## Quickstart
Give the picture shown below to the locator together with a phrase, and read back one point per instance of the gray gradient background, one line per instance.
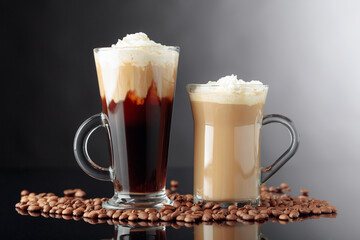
(308, 51)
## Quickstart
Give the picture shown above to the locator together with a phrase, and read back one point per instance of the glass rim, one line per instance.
(106, 49)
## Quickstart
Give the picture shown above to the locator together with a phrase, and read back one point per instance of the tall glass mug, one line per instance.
(227, 127)
(137, 86)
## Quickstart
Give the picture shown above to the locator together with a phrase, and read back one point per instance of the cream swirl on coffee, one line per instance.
(230, 90)
(139, 39)
(134, 64)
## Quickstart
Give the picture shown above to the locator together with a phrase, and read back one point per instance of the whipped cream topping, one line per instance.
(133, 64)
(229, 90)
(139, 39)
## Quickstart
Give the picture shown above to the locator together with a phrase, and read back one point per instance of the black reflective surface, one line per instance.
(17, 226)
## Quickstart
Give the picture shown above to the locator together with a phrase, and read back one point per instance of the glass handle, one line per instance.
(80, 147)
(267, 172)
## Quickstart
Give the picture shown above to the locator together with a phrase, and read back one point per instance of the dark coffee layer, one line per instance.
(140, 129)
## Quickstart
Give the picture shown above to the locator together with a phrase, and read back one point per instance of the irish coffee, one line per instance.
(137, 85)
(227, 123)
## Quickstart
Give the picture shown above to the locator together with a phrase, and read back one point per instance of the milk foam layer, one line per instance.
(229, 90)
(134, 64)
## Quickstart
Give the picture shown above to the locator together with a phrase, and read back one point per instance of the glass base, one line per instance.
(225, 204)
(137, 201)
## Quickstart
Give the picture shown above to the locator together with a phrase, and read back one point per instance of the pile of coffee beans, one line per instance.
(275, 205)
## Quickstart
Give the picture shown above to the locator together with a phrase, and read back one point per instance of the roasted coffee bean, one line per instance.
(189, 197)
(124, 216)
(117, 214)
(272, 189)
(325, 210)
(287, 211)
(216, 206)
(149, 210)
(206, 217)
(209, 205)
(316, 211)
(305, 210)
(264, 188)
(80, 194)
(231, 217)
(153, 218)
(174, 183)
(195, 208)
(102, 216)
(175, 214)
(67, 211)
(184, 208)
(97, 207)
(46, 209)
(78, 211)
(218, 217)
(332, 208)
(34, 208)
(24, 206)
(97, 201)
(24, 192)
(304, 192)
(284, 217)
(276, 213)
(259, 217)
(294, 214)
(177, 204)
(232, 207)
(93, 214)
(253, 212)
(247, 217)
(166, 218)
(168, 211)
(239, 213)
(59, 211)
(69, 192)
(132, 217)
(110, 213)
(143, 215)
(180, 217)
(189, 219)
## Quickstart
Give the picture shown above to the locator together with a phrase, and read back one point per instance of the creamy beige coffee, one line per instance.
(227, 123)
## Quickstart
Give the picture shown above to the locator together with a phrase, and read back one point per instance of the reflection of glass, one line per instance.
(220, 232)
(132, 233)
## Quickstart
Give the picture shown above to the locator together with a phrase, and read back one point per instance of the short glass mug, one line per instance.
(137, 86)
(227, 129)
